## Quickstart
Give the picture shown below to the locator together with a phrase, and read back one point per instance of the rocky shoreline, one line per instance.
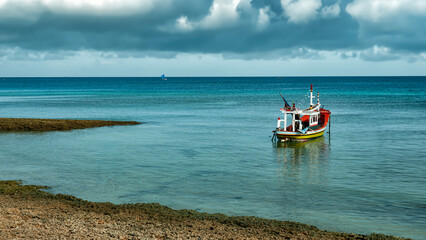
(28, 212)
(43, 125)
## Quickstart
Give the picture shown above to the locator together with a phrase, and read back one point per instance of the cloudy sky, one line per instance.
(212, 37)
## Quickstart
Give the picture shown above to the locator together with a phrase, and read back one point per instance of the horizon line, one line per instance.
(242, 76)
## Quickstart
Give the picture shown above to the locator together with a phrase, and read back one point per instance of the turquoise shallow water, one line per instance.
(205, 145)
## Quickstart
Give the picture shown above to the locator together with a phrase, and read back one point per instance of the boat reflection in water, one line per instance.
(304, 162)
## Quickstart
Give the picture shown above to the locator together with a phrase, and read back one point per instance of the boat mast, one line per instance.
(318, 102)
(311, 96)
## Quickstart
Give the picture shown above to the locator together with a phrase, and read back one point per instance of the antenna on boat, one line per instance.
(286, 105)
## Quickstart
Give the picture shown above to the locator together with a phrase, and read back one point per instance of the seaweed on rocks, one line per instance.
(53, 212)
(43, 125)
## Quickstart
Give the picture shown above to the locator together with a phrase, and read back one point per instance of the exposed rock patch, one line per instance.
(42, 125)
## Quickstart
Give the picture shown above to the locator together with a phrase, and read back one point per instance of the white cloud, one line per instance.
(101, 7)
(301, 11)
(222, 13)
(332, 11)
(377, 10)
(263, 20)
(25, 9)
(29, 8)
(348, 54)
(183, 24)
(18, 54)
(379, 53)
(99, 64)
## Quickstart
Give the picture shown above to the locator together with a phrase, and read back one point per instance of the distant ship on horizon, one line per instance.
(163, 77)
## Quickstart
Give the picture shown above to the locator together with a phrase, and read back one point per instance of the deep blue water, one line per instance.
(205, 145)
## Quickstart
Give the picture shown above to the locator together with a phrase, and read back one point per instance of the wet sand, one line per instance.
(28, 212)
(42, 125)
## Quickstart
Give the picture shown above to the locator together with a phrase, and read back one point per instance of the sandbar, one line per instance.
(43, 125)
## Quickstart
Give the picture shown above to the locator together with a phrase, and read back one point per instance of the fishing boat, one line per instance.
(304, 124)
(163, 77)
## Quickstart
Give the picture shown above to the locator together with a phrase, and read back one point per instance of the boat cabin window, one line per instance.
(313, 120)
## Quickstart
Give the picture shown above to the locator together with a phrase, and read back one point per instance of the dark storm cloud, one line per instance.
(255, 29)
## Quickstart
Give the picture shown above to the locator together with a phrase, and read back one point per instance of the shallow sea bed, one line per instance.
(205, 145)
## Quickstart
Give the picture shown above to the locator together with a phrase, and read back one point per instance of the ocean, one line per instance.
(205, 144)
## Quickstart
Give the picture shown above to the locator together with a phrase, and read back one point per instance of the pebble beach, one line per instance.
(29, 212)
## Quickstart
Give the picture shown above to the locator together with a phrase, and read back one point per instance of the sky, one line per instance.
(137, 38)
